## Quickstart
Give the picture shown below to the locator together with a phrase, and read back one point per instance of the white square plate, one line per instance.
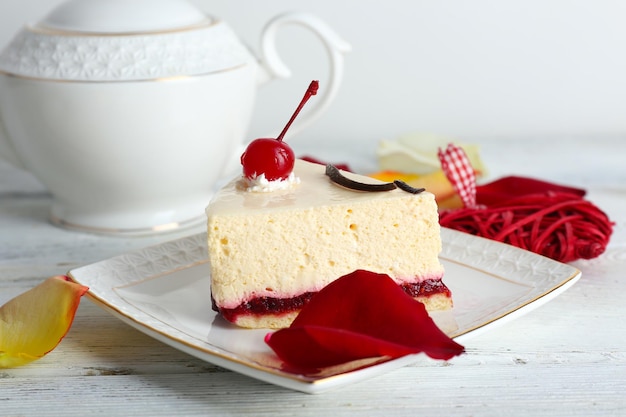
(164, 291)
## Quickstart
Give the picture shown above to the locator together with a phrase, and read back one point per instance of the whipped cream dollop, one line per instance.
(261, 184)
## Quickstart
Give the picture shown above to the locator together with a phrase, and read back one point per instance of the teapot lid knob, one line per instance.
(122, 16)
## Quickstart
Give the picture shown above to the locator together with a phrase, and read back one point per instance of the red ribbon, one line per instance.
(458, 169)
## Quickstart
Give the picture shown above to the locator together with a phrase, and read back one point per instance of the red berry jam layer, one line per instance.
(426, 288)
(269, 305)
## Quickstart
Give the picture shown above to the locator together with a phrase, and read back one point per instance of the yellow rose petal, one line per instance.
(33, 323)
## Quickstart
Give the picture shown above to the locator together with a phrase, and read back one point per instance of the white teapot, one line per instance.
(128, 111)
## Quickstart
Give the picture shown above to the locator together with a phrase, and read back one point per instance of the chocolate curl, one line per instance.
(549, 219)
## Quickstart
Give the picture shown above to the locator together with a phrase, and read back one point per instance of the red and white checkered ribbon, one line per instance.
(459, 171)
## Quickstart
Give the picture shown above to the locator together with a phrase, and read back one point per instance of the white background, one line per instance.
(480, 68)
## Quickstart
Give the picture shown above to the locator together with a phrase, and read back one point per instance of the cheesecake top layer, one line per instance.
(314, 190)
(285, 243)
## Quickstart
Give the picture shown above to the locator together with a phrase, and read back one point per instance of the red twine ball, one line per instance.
(560, 226)
(545, 218)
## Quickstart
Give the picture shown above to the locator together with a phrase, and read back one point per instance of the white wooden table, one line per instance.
(567, 358)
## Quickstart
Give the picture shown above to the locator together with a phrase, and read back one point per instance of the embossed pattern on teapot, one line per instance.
(46, 54)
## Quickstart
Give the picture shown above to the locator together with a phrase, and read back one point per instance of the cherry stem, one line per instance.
(311, 91)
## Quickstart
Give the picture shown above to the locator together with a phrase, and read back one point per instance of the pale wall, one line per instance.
(464, 68)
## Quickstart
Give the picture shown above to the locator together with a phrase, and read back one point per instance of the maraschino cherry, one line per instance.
(273, 157)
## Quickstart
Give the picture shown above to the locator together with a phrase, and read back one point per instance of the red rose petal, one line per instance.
(506, 188)
(312, 347)
(341, 166)
(360, 315)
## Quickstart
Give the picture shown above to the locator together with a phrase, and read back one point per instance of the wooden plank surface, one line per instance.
(567, 358)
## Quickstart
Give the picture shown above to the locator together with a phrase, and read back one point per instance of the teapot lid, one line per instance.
(124, 40)
(122, 16)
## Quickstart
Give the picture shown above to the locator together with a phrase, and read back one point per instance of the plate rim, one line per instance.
(454, 243)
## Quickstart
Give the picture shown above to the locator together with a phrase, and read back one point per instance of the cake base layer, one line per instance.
(277, 313)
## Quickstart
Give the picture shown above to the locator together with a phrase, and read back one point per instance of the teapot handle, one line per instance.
(272, 65)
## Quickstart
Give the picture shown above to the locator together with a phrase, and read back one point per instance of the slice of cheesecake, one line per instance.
(270, 252)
